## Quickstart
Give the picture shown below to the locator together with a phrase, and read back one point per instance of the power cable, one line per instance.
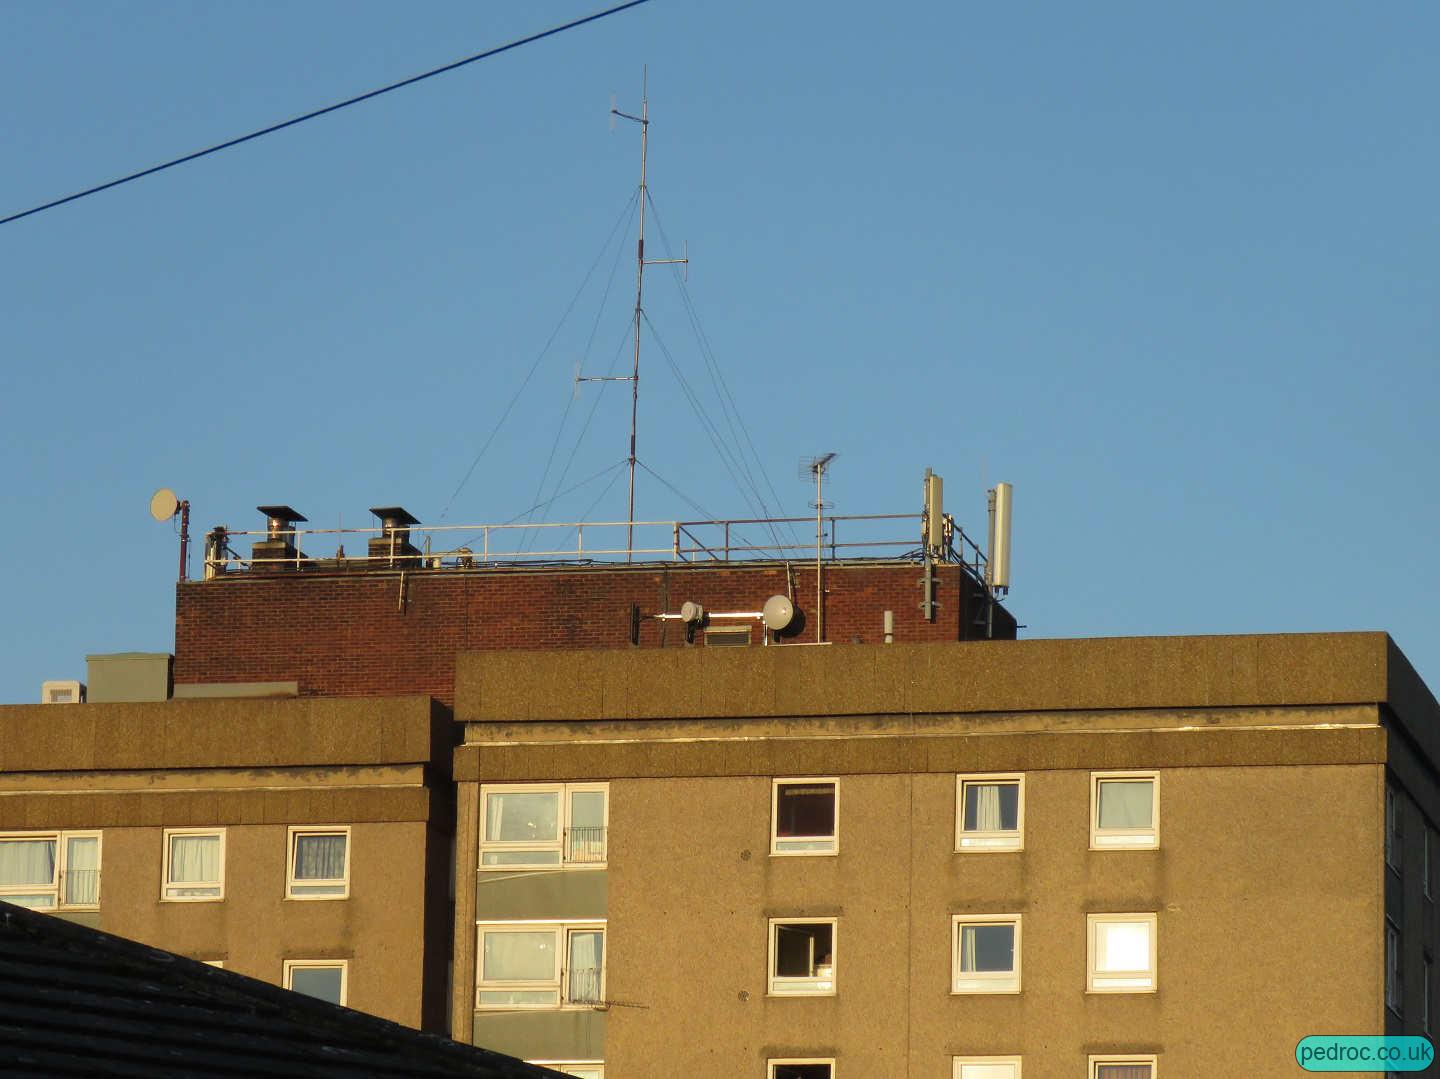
(327, 109)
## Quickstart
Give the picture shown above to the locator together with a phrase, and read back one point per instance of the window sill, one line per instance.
(995, 992)
(805, 853)
(192, 899)
(316, 898)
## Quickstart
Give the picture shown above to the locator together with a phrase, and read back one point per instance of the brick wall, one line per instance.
(388, 633)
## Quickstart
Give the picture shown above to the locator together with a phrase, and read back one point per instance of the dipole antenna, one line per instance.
(640, 263)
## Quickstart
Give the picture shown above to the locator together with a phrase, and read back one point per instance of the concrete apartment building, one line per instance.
(922, 849)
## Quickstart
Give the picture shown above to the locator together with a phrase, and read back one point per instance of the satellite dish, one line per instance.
(691, 613)
(163, 504)
(777, 613)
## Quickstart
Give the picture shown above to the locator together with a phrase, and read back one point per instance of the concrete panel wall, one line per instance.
(1261, 874)
(380, 929)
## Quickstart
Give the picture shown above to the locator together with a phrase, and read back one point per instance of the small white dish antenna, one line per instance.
(164, 504)
(777, 613)
(692, 614)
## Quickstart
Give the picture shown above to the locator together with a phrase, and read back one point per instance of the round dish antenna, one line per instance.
(164, 504)
(778, 613)
(691, 613)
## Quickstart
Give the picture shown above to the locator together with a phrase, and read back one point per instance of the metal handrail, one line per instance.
(685, 541)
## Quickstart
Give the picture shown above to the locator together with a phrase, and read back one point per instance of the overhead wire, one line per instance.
(584, 356)
(717, 373)
(722, 451)
(574, 487)
(228, 143)
(543, 352)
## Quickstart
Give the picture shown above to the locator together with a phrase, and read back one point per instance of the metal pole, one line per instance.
(639, 296)
(819, 552)
(185, 539)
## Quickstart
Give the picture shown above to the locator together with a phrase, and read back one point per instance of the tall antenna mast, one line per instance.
(640, 263)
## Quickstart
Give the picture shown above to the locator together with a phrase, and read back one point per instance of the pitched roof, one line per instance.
(76, 1001)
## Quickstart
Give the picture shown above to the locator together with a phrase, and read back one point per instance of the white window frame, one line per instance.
(802, 987)
(1124, 838)
(960, 1063)
(291, 965)
(1097, 981)
(776, 839)
(166, 884)
(980, 842)
(771, 1064)
(560, 844)
(1394, 970)
(56, 887)
(564, 1066)
(292, 882)
(1132, 1059)
(983, 982)
(560, 981)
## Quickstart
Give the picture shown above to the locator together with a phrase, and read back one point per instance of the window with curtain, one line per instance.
(539, 966)
(584, 966)
(82, 871)
(46, 870)
(805, 816)
(1122, 952)
(29, 871)
(194, 865)
(986, 955)
(1124, 810)
(991, 812)
(1134, 1069)
(319, 867)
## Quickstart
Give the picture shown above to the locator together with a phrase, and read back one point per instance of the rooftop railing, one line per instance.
(893, 536)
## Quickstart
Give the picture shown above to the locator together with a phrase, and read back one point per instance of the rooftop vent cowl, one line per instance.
(393, 547)
(278, 551)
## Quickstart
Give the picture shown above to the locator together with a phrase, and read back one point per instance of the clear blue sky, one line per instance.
(1171, 269)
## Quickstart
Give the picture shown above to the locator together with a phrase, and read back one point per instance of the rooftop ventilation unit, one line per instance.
(278, 550)
(64, 692)
(393, 547)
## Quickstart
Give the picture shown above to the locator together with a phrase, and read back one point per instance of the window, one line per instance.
(551, 824)
(583, 1069)
(802, 1068)
(194, 865)
(989, 812)
(49, 870)
(318, 866)
(1124, 810)
(987, 1068)
(323, 979)
(1121, 952)
(1122, 1067)
(727, 636)
(1394, 982)
(802, 956)
(985, 953)
(540, 965)
(1393, 829)
(804, 814)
